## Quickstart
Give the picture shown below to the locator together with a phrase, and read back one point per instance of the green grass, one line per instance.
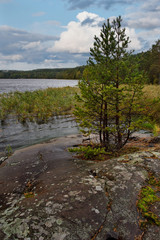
(39, 105)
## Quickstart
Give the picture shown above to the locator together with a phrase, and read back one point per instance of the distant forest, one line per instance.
(55, 73)
(149, 62)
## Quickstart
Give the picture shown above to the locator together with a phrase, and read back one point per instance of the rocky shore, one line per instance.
(48, 194)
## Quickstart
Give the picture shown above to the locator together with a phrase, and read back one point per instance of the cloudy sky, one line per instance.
(59, 33)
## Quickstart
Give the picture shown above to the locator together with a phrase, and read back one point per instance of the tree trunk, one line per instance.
(105, 125)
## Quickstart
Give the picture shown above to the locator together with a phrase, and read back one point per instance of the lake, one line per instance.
(17, 135)
(22, 85)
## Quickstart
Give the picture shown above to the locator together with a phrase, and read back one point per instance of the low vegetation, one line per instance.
(39, 105)
(89, 152)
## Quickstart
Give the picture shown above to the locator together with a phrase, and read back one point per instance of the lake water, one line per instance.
(22, 85)
(17, 135)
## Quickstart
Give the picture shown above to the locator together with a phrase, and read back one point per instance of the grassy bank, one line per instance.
(39, 105)
(151, 100)
(151, 91)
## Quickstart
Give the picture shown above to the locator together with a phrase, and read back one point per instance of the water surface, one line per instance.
(22, 85)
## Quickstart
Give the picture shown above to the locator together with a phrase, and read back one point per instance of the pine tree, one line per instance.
(154, 70)
(110, 89)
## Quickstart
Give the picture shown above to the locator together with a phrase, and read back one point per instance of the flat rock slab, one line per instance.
(47, 194)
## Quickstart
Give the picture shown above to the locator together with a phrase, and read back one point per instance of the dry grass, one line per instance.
(151, 91)
(151, 100)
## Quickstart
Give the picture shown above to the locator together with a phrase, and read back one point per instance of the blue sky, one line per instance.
(59, 33)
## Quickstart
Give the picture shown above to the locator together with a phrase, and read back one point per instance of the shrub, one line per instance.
(89, 152)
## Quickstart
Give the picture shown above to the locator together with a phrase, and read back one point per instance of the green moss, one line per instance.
(147, 198)
(153, 180)
(29, 194)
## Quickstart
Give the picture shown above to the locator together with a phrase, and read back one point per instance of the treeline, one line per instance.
(59, 73)
(149, 63)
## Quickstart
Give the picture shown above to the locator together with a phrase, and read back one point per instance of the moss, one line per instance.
(29, 194)
(147, 198)
(153, 180)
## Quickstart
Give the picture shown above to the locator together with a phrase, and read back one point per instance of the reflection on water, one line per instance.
(19, 135)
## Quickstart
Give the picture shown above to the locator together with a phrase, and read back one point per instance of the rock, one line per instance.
(75, 199)
(99, 188)
(59, 236)
(2, 159)
(155, 140)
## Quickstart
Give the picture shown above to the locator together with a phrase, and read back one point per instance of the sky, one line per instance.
(37, 34)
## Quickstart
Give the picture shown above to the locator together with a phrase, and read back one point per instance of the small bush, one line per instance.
(156, 130)
(8, 151)
(89, 152)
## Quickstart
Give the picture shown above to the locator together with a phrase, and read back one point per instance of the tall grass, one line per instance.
(39, 105)
(151, 100)
(151, 91)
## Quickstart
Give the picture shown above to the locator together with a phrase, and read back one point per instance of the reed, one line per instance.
(39, 105)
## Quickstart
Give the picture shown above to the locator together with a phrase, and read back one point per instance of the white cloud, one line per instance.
(145, 19)
(23, 50)
(83, 4)
(144, 16)
(18, 65)
(79, 37)
(150, 37)
(40, 48)
(135, 43)
(12, 57)
(31, 45)
(82, 16)
(151, 5)
(5, 28)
